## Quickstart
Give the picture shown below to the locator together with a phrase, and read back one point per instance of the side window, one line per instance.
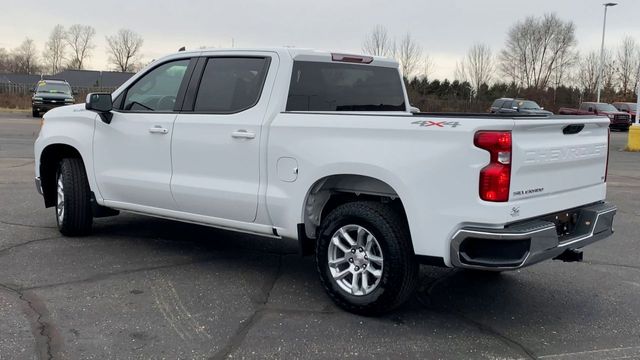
(230, 85)
(507, 104)
(497, 103)
(157, 90)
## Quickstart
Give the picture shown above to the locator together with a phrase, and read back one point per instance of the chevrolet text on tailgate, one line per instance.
(322, 148)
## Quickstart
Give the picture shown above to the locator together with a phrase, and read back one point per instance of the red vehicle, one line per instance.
(619, 120)
(628, 107)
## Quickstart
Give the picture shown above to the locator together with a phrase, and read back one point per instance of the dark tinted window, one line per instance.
(586, 106)
(497, 103)
(231, 84)
(157, 90)
(527, 105)
(606, 107)
(507, 104)
(319, 86)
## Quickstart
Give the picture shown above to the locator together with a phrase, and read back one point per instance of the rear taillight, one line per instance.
(495, 178)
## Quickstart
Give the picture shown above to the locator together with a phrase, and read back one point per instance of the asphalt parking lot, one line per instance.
(143, 288)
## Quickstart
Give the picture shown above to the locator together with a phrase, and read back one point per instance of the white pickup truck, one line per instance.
(323, 148)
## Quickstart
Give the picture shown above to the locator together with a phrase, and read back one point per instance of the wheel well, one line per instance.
(49, 160)
(332, 191)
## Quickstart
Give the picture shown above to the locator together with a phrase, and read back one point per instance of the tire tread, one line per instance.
(407, 274)
(78, 217)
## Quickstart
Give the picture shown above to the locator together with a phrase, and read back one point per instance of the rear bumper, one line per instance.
(529, 242)
(621, 125)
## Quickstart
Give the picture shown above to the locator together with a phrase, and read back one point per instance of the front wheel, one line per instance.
(365, 258)
(73, 201)
(35, 113)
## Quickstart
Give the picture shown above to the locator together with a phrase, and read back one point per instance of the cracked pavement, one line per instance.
(142, 288)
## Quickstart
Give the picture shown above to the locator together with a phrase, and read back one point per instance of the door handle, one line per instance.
(158, 130)
(243, 134)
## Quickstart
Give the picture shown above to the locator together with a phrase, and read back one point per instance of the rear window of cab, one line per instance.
(324, 86)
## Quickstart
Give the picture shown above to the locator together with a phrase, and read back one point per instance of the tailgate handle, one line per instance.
(572, 129)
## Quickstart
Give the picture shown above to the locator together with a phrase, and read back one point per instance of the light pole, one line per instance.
(604, 26)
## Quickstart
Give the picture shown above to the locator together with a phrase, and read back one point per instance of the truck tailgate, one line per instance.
(552, 156)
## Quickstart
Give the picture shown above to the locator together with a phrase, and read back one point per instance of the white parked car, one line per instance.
(323, 148)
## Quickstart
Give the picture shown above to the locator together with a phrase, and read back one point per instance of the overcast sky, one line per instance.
(444, 29)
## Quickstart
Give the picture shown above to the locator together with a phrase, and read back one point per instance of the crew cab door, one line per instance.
(216, 138)
(132, 154)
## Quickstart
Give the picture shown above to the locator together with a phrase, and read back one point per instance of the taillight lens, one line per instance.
(495, 178)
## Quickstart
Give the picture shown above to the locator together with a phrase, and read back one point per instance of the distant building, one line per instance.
(75, 78)
(19, 79)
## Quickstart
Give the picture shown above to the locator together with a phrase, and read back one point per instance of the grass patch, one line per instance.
(15, 101)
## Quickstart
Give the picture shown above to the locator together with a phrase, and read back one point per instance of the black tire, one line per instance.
(35, 113)
(77, 218)
(400, 271)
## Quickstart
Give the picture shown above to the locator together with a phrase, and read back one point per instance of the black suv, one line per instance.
(521, 106)
(50, 93)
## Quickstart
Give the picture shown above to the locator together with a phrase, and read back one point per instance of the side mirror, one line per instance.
(33, 91)
(74, 92)
(414, 109)
(100, 103)
(541, 108)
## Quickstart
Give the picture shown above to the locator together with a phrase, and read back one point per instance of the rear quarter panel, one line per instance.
(433, 168)
(430, 162)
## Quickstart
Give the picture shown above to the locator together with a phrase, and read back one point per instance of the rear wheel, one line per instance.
(365, 258)
(35, 113)
(73, 201)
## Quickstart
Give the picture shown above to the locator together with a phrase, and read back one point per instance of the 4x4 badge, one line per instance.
(427, 123)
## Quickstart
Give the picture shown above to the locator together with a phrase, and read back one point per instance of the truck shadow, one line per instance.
(527, 297)
(522, 310)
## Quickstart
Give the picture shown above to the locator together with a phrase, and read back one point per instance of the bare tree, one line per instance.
(561, 73)
(477, 67)
(609, 70)
(80, 40)
(25, 58)
(427, 66)
(124, 49)
(379, 43)
(55, 49)
(628, 63)
(587, 72)
(409, 54)
(536, 48)
(5, 60)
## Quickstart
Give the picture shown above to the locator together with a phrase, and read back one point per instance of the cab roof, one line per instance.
(301, 54)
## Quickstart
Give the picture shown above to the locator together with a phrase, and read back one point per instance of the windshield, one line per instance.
(606, 107)
(528, 105)
(51, 87)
